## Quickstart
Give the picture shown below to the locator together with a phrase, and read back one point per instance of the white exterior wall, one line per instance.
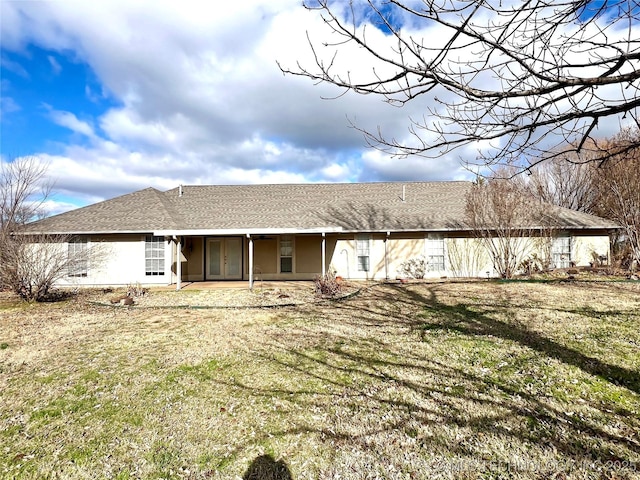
(345, 259)
(478, 257)
(382, 265)
(119, 260)
(464, 257)
(469, 258)
(583, 249)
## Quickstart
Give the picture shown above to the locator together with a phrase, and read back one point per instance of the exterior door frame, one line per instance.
(230, 252)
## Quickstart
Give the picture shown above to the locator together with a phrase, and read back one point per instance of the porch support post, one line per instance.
(386, 259)
(250, 261)
(324, 254)
(178, 263)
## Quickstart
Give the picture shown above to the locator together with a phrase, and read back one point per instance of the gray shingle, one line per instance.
(140, 211)
(349, 206)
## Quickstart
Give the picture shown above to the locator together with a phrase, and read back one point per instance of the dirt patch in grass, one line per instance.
(291, 294)
(415, 381)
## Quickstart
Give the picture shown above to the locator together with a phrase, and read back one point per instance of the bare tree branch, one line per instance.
(617, 184)
(509, 222)
(525, 77)
(31, 264)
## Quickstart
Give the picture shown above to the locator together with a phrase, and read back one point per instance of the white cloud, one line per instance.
(199, 98)
(14, 67)
(104, 169)
(70, 121)
(53, 206)
(377, 164)
(8, 105)
(337, 171)
(56, 68)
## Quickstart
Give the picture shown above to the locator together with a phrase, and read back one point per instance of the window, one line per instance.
(435, 253)
(362, 252)
(286, 254)
(561, 251)
(154, 255)
(77, 260)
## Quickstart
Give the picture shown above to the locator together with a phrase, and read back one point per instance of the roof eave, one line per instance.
(243, 231)
(86, 232)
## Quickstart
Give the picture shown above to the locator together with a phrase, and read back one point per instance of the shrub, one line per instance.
(532, 264)
(31, 270)
(327, 285)
(136, 290)
(413, 268)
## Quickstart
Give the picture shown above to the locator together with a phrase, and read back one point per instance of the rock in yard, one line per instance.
(122, 300)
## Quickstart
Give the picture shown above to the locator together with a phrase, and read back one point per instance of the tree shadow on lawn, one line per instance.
(465, 320)
(462, 319)
(372, 389)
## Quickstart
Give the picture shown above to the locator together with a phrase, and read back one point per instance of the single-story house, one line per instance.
(293, 232)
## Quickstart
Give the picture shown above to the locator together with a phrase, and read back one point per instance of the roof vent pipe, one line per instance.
(180, 190)
(404, 191)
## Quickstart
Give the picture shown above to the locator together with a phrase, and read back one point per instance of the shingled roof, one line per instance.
(226, 209)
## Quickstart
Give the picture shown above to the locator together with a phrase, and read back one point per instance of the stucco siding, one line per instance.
(265, 256)
(585, 248)
(308, 254)
(119, 260)
(471, 257)
(400, 250)
(340, 254)
(467, 258)
(195, 259)
(345, 257)
(192, 258)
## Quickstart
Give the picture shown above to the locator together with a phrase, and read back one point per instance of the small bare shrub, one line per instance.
(413, 268)
(32, 269)
(327, 285)
(136, 290)
(532, 264)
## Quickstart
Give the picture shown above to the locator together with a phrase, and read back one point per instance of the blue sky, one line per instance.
(116, 96)
(40, 81)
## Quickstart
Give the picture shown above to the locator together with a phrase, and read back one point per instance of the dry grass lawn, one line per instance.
(417, 381)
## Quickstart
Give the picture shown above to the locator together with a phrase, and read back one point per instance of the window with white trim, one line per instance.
(286, 254)
(154, 255)
(77, 259)
(363, 252)
(435, 252)
(561, 251)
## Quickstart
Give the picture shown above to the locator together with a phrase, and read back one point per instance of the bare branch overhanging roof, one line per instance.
(349, 207)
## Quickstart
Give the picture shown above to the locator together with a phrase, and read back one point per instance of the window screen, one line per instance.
(362, 252)
(154, 255)
(77, 261)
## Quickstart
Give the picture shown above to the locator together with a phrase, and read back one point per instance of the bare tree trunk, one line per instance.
(30, 264)
(618, 187)
(506, 219)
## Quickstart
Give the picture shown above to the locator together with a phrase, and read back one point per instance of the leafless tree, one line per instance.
(466, 257)
(565, 181)
(23, 193)
(526, 77)
(618, 189)
(31, 262)
(510, 224)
